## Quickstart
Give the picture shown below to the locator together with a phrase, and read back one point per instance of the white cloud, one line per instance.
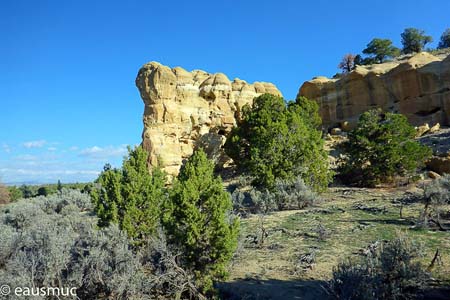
(52, 149)
(34, 144)
(6, 148)
(26, 157)
(97, 152)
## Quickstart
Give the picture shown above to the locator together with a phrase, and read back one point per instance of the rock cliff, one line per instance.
(417, 86)
(185, 110)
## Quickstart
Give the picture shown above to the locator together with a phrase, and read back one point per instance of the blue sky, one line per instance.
(67, 68)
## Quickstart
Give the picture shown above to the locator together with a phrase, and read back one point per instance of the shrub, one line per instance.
(414, 40)
(131, 196)
(197, 220)
(4, 194)
(274, 140)
(53, 241)
(445, 39)
(15, 193)
(287, 194)
(293, 194)
(381, 147)
(390, 272)
(435, 195)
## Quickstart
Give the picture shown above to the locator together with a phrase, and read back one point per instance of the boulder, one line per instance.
(433, 175)
(421, 130)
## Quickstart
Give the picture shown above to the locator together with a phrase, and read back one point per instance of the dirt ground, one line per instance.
(296, 257)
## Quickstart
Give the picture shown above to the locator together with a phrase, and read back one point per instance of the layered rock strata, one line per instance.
(417, 86)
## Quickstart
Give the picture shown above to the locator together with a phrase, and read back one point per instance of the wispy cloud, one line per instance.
(34, 144)
(52, 149)
(97, 152)
(6, 148)
(26, 157)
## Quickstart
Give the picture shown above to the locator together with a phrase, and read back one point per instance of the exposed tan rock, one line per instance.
(184, 110)
(336, 131)
(421, 130)
(435, 128)
(417, 86)
(433, 175)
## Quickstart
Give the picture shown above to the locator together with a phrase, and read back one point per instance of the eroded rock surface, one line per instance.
(417, 86)
(184, 110)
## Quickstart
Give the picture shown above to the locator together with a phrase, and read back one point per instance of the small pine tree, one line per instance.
(198, 222)
(59, 186)
(381, 147)
(131, 196)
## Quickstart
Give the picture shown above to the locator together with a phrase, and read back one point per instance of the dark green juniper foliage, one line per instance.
(131, 196)
(381, 147)
(414, 40)
(197, 220)
(445, 39)
(380, 50)
(274, 140)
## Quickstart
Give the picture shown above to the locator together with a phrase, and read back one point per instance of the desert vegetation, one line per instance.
(130, 235)
(381, 149)
(380, 50)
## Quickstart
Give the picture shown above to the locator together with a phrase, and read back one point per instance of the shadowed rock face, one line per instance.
(184, 110)
(418, 87)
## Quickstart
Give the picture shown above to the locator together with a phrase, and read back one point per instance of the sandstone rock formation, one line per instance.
(417, 86)
(184, 110)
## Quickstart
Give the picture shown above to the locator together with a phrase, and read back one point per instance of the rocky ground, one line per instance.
(291, 254)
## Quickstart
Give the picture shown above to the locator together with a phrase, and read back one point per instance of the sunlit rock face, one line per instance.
(185, 110)
(417, 86)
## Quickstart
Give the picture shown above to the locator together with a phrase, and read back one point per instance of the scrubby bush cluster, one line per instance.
(287, 194)
(278, 141)
(145, 241)
(29, 191)
(5, 196)
(435, 195)
(380, 148)
(390, 272)
(53, 241)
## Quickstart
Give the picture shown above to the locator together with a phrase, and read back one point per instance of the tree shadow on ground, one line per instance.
(273, 289)
(399, 222)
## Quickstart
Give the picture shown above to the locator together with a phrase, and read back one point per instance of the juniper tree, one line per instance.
(274, 140)
(381, 147)
(380, 50)
(197, 220)
(445, 39)
(414, 40)
(131, 196)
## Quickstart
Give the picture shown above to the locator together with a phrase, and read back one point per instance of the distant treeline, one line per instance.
(29, 191)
